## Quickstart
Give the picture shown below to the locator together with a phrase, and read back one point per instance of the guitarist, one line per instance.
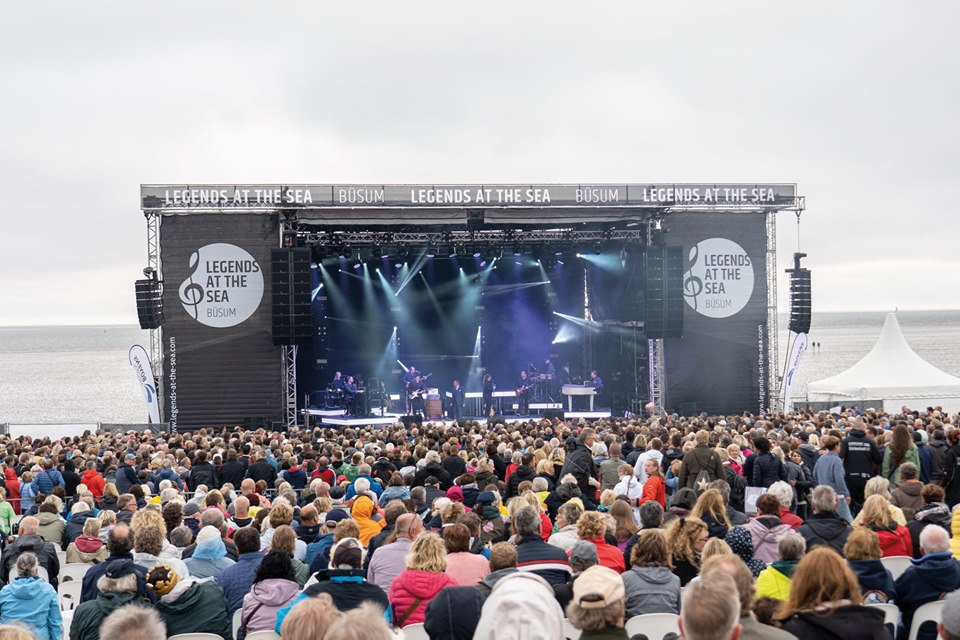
(409, 379)
(524, 385)
(417, 392)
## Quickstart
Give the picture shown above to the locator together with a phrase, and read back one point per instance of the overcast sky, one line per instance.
(856, 102)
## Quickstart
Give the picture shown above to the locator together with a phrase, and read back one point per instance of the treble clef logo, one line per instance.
(692, 285)
(191, 293)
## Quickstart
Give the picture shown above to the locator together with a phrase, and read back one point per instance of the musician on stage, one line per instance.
(550, 376)
(409, 379)
(350, 396)
(456, 403)
(417, 392)
(549, 369)
(524, 385)
(597, 383)
(488, 388)
(337, 382)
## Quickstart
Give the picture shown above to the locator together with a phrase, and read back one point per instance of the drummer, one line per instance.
(550, 375)
(337, 382)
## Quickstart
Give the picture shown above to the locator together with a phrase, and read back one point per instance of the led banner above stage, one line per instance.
(272, 197)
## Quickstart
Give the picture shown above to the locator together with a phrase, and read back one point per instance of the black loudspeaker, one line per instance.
(149, 303)
(663, 275)
(292, 309)
(553, 414)
(409, 421)
(800, 296)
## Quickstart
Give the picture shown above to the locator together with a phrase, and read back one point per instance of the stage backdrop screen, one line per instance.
(220, 365)
(719, 365)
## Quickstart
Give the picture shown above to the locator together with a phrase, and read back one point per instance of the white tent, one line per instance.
(891, 372)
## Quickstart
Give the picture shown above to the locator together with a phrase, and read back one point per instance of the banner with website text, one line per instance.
(220, 365)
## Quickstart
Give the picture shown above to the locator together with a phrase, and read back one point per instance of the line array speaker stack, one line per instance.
(149, 303)
(800, 296)
(663, 317)
(291, 309)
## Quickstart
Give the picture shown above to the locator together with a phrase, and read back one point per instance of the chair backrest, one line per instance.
(891, 617)
(654, 625)
(570, 632)
(263, 635)
(930, 612)
(62, 556)
(68, 593)
(74, 571)
(896, 565)
(41, 571)
(237, 619)
(195, 636)
(415, 632)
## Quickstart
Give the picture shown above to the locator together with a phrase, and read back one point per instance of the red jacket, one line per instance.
(94, 482)
(412, 584)
(13, 488)
(608, 555)
(792, 519)
(894, 542)
(655, 488)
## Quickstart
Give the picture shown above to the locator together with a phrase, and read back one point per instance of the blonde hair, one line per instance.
(427, 553)
(715, 547)
(147, 518)
(711, 503)
(310, 618)
(862, 544)
(591, 525)
(821, 577)
(682, 534)
(622, 513)
(876, 512)
(284, 539)
(607, 497)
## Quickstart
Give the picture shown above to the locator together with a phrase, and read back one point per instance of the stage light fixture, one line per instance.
(461, 251)
(398, 264)
(376, 251)
(597, 247)
(403, 251)
(431, 249)
(358, 265)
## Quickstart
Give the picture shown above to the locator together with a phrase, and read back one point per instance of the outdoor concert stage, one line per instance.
(329, 418)
(257, 295)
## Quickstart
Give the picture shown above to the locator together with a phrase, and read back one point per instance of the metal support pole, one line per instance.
(773, 377)
(156, 335)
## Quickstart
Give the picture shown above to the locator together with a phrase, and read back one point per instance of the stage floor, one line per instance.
(337, 418)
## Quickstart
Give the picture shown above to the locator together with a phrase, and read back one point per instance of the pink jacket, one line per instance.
(412, 584)
(266, 597)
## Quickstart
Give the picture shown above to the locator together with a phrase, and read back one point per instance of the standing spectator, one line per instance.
(654, 452)
(30, 601)
(764, 467)
(951, 469)
(686, 538)
(127, 475)
(825, 527)
(579, 463)
(421, 580)
(934, 574)
(654, 487)
(610, 468)
(701, 459)
(13, 484)
(188, 605)
(522, 473)
(829, 471)
(261, 470)
(901, 449)
(7, 514)
(825, 602)
(861, 460)
(201, 473)
(46, 479)
(650, 585)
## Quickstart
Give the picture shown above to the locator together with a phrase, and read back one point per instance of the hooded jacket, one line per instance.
(209, 559)
(741, 543)
(74, 527)
(95, 482)
(412, 585)
(363, 511)
(764, 532)
(700, 458)
(907, 497)
(827, 530)
(51, 528)
(876, 581)
(34, 602)
(651, 589)
(453, 614)
(87, 550)
(89, 615)
(520, 475)
(13, 488)
(846, 622)
(521, 606)
(936, 513)
(774, 581)
(930, 578)
(195, 606)
(894, 541)
(265, 599)
(579, 462)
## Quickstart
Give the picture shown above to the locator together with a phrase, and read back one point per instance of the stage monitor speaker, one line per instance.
(292, 306)
(663, 275)
(409, 421)
(800, 300)
(149, 303)
(553, 414)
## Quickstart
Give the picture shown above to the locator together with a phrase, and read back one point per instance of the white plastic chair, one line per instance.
(415, 632)
(266, 634)
(654, 625)
(195, 636)
(67, 621)
(41, 571)
(62, 556)
(891, 617)
(68, 593)
(930, 612)
(237, 619)
(570, 632)
(73, 571)
(896, 565)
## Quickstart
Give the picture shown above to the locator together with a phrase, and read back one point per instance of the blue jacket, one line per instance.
(829, 471)
(33, 602)
(237, 580)
(876, 581)
(375, 486)
(126, 478)
(318, 552)
(930, 578)
(46, 480)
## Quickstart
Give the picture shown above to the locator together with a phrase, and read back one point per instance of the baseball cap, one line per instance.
(347, 553)
(336, 516)
(485, 497)
(191, 509)
(598, 587)
(584, 554)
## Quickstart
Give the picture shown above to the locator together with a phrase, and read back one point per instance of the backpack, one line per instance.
(738, 488)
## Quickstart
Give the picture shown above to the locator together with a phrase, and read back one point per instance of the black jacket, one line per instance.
(126, 478)
(850, 622)
(75, 527)
(348, 594)
(432, 469)
(951, 475)
(203, 473)
(46, 553)
(860, 454)
(763, 469)
(262, 470)
(232, 471)
(521, 474)
(89, 590)
(454, 465)
(579, 462)
(825, 529)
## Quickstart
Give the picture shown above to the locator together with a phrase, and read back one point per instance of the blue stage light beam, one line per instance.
(609, 261)
(417, 265)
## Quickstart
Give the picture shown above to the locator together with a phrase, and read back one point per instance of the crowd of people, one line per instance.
(770, 526)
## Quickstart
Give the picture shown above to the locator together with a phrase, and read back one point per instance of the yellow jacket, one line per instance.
(955, 530)
(773, 583)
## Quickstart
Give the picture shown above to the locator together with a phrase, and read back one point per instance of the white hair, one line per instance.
(361, 485)
(934, 539)
(782, 492)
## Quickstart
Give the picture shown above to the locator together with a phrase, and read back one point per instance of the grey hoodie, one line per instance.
(490, 580)
(651, 589)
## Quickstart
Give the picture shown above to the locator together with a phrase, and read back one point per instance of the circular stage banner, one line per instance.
(225, 285)
(719, 279)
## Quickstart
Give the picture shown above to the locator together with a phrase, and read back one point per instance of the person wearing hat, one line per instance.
(521, 606)
(598, 606)
(209, 559)
(583, 555)
(344, 582)
(492, 526)
(188, 605)
(318, 551)
(117, 587)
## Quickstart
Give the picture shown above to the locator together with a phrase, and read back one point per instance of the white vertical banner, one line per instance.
(793, 363)
(140, 362)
